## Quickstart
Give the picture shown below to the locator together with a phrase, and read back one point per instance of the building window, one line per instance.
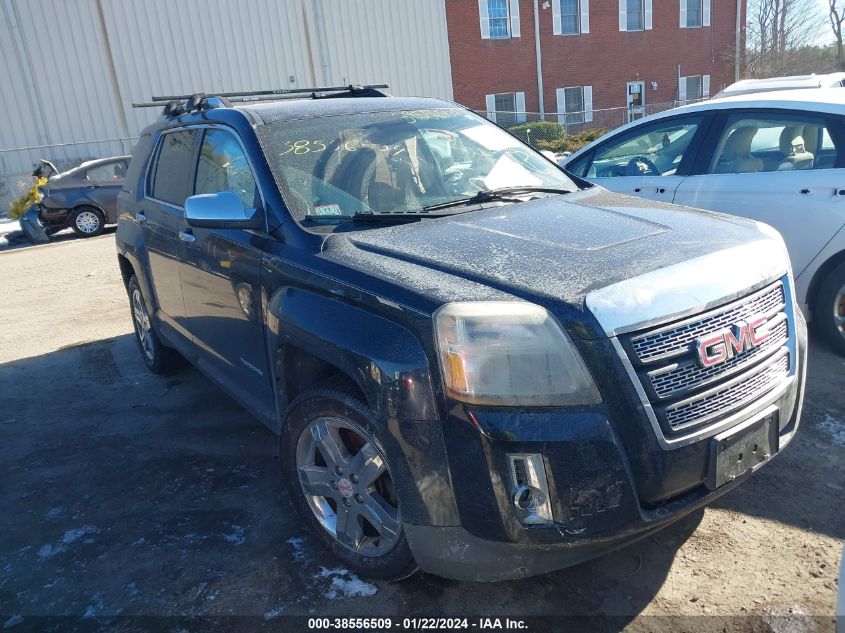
(635, 11)
(575, 105)
(693, 88)
(569, 17)
(695, 13)
(506, 108)
(497, 14)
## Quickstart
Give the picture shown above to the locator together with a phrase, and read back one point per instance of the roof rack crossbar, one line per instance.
(275, 92)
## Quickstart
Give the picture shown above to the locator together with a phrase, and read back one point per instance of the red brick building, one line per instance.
(593, 54)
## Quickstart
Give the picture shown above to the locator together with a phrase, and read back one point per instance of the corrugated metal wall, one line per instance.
(71, 69)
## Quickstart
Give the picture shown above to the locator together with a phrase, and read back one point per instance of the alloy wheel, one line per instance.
(347, 485)
(142, 324)
(87, 221)
(839, 311)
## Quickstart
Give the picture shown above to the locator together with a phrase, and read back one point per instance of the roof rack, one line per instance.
(180, 104)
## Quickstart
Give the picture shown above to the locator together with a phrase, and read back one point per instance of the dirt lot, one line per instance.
(124, 493)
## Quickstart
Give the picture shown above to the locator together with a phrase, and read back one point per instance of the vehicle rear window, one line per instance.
(173, 164)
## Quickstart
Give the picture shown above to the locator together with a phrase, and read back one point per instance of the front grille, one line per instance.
(735, 395)
(685, 395)
(674, 340)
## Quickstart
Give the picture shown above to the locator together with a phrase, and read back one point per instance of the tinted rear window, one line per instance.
(170, 177)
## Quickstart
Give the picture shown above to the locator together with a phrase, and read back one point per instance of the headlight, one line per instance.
(509, 354)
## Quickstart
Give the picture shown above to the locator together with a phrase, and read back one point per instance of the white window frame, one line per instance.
(519, 104)
(513, 20)
(648, 15)
(587, 104)
(682, 88)
(583, 18)
(705, 15)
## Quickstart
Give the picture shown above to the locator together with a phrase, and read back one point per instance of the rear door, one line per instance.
(649, 160)
(220, 275)
(102, 184)
(784, 168)
(161, 212)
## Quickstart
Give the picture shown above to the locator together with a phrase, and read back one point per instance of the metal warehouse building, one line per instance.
(72, 68)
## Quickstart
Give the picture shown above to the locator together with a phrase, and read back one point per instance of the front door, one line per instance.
(220, 275)
(645, 161)
(782, 169)
(162, 216)
(104, 182)
(636, 100)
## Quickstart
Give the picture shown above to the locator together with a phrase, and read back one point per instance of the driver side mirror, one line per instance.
(222, 210)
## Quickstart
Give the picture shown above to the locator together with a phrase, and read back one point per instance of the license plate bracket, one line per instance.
(741, 449)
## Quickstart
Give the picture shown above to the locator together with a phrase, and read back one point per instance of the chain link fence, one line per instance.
(567, 132)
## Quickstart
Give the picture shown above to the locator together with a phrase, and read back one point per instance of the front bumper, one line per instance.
(601, 499)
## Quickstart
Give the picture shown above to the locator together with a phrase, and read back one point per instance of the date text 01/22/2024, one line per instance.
(417, 624)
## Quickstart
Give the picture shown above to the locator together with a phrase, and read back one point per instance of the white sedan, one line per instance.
(776, 157)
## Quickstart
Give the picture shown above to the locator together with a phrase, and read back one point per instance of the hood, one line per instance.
(554, 250)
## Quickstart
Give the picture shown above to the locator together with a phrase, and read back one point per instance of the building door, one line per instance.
(636, 100)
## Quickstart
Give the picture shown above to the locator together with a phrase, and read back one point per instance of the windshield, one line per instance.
(331, 168)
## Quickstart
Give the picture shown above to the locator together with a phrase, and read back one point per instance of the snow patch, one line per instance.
(14, 620)
(345, 585)
(237, 536)
(272, 614)
(69, 537)
(297, 544)
(835, 428)
(54, 513)
(7, 225)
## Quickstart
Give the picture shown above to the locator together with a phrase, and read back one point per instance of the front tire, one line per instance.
(829, 309)
(158, 358)
(338, 478)
(87, 221)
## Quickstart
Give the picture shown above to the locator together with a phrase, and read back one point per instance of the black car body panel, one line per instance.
(268, 313)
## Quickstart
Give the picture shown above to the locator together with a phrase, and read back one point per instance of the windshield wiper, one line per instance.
(490, 195)
(375, 218)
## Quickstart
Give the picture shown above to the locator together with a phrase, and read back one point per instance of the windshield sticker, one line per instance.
(490, 137)
(328, 209)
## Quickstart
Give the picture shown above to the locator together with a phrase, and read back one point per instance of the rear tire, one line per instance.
(330, 448)
(87, 221)
(829, 309)
(158, 358)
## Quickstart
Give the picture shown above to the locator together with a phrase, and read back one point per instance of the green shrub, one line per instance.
(571, 143)
(18, 207)
(540, 130)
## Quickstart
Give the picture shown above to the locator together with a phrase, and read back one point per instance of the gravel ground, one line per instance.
(129, 494)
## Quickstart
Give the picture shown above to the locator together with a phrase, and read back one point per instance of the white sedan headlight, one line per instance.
(509, 354)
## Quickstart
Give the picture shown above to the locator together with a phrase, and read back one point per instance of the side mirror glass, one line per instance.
(222, 210)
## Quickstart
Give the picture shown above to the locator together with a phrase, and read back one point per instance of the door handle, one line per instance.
(638, 189)
(139, 215)
(187, 236)
(839, 192)
(805, 192)
(661, 190)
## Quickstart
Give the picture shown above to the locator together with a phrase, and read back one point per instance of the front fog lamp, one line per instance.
(509, 354)
(530, 488)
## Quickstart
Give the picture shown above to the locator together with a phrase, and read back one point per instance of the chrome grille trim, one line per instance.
(747, 387)
(680, 378)
(675, 339)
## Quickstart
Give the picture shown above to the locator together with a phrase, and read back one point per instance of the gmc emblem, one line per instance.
(714, 349)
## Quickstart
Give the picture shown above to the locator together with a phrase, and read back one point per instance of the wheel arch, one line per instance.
(313, 338)
(818, 278)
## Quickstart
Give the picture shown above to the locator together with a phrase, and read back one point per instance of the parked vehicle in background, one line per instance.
(776, 157)
(794, 82)
(477, 364)
(83, 198)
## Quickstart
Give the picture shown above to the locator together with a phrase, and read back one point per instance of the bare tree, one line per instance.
(837, 17)
(778, 34)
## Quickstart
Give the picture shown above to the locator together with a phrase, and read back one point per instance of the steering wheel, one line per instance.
(633, 169)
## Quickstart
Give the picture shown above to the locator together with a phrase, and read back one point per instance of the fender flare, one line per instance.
(385, 359)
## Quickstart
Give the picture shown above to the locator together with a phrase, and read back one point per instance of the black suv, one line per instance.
(478, 364)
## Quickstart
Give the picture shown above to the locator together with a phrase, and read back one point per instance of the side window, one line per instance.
(107, 171)
(223, 167)
(656, 149)
(771, 142)
(170, 179)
